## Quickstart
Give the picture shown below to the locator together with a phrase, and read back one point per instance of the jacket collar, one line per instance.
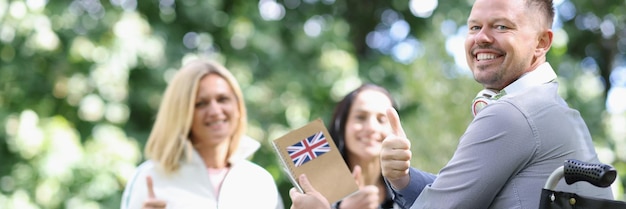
(247, 147)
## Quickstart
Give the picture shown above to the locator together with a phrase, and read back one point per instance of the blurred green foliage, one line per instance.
(81, 80)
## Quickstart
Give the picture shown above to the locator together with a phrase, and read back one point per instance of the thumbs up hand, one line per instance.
(152, 202)
(366, 197)
(396, 153)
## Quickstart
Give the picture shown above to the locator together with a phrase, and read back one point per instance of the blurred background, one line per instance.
(81, 80)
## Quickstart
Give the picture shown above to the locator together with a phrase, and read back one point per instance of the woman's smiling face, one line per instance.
(367, 124)
(215, 113)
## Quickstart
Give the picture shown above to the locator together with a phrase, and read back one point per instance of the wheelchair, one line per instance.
(600, 175)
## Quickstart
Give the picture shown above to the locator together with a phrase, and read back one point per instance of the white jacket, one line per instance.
(246, 184)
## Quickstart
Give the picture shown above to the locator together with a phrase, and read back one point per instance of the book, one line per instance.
(310, 150)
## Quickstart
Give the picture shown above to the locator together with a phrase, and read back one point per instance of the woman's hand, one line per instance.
(311, 199)
(367, 196)
(152, 202)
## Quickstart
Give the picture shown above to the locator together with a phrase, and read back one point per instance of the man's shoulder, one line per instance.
(535, 99)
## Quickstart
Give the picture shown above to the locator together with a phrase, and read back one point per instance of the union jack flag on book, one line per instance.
(308, 149)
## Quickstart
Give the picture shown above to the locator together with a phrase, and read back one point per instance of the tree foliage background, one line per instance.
(81, 80)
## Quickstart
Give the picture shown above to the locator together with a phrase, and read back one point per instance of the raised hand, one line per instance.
(366, 197)
(152, 202)
(395, 156)
(311, 199)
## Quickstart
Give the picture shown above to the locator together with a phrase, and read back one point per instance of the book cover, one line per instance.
(310, 150)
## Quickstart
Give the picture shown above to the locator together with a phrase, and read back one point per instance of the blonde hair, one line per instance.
(169, 142)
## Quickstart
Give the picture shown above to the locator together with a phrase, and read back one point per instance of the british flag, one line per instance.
(308, 149)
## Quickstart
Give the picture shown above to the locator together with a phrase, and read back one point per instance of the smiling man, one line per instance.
(524, 131)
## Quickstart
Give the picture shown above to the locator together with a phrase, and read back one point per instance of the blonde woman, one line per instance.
(197, 151)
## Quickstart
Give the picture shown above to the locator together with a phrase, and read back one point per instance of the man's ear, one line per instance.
(544, 43)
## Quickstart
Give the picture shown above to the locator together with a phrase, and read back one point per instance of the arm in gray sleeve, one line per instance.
(419, 179)
(495, 146)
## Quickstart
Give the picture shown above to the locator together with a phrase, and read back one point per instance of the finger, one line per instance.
(358, 176)
(372, 195)
(155, 204)
(150, 187)
(305, 184)
(293, 192)
(394, 121)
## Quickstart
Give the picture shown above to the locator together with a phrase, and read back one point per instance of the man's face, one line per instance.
(501, 41)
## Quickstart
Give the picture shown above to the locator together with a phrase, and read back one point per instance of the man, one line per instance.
(523, 134)
(515, 142)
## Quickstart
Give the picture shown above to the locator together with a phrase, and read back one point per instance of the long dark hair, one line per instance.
(337, 127)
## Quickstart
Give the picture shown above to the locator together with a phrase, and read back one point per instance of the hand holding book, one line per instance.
(307, 198)
(310, 150)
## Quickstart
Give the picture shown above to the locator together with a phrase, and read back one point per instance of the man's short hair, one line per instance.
(545, 7)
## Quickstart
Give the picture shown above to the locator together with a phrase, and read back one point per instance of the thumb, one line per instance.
(358, 176)
(394, 121)
(305, 184)
(150, 187)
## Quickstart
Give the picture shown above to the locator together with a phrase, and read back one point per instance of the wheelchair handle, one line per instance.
(598, 174)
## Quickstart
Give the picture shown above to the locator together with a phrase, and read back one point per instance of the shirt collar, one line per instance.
(543, 74)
